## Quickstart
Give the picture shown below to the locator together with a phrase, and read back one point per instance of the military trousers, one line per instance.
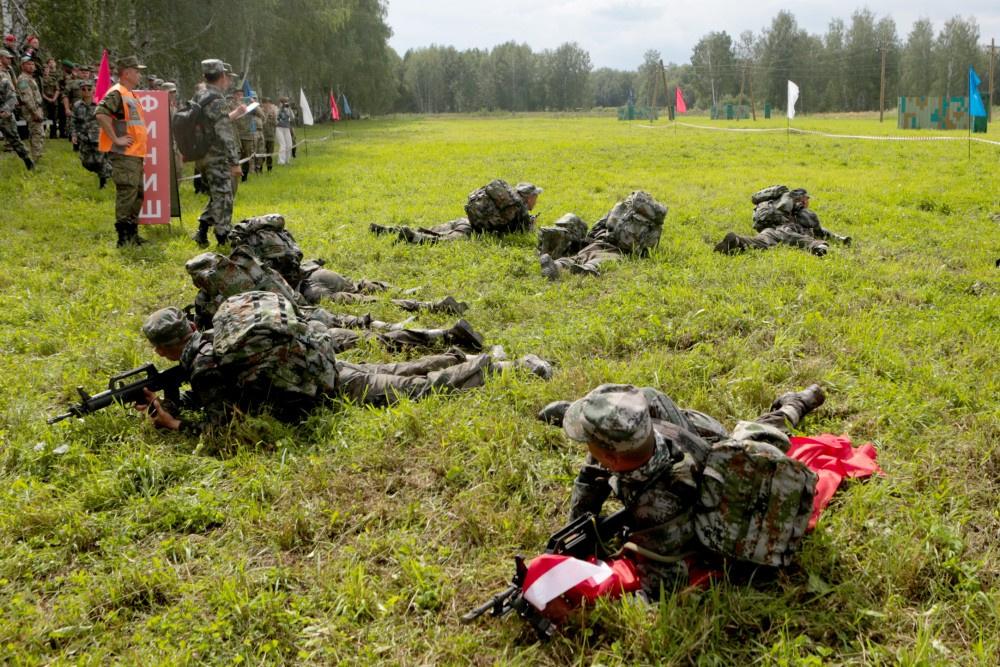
(791, 234)
(587, 260)
(9, 131)
(93, 159)
(126, 172)
(385, 384)
(36, 137)
(217, 177)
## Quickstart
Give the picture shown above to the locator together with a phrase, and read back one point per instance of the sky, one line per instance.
(617, 33)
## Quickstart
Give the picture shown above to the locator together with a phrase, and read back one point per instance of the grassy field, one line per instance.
(360, 536)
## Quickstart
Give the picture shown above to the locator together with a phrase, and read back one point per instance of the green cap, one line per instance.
(615, 417)
(167, 327)
(129, 61)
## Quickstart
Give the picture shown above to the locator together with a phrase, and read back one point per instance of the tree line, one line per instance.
(342, 46)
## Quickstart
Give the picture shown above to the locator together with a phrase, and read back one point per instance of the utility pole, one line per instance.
(881, 97)
(666, 93)
(742, 81)
(993, 55)
(753, 106)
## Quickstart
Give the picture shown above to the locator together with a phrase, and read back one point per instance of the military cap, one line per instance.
(528, 189)
(129, 61)
(157, 82)
(6, 53)
(25, 59)
(798, 193)
(87, 83)
(9, 38)
(212, 66)
(614, 417)
(67, 63)
(169, 86)
(167, 327)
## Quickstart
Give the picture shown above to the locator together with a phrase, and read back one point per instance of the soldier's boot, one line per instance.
(29, 163)
(102, 181)
(200, 237)
(554, 413)
(795, 405)
(531, 363)
(446, 305)
(819, 249)
(549, 268)
(463, 335)
(123, 236)
(411, 236)
(730, 244)
(221, 239)
(134, 238)
(378, 229)
(379, 325)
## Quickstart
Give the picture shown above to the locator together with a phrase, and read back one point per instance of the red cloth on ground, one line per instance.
(832, 458)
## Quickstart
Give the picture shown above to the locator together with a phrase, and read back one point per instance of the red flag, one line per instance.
(334, 111)
(103, 79)
(681, 107)
(552, 575)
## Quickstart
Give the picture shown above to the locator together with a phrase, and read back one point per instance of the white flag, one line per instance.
(793, 97)
(307, 115)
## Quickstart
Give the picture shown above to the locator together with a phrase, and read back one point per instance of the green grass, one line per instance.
(360, 536)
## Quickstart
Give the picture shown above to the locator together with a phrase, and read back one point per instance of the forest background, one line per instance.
(342, 46)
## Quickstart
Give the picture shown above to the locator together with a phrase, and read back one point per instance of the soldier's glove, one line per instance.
(554, 413)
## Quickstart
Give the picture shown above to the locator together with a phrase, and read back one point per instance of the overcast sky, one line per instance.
(616, 33)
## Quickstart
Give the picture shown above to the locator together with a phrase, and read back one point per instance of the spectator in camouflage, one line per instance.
(85, 132)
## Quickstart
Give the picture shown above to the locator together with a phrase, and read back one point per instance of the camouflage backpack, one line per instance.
(773, 212)
(633, 225)
(218, 277)
(767, 194)
(266, 238)
(498, 209)
(269, 351)
(754, 501)
(566, 237)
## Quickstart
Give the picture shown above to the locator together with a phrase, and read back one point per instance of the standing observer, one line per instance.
(123, 138)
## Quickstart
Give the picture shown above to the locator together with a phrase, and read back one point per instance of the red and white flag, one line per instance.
(550, 576)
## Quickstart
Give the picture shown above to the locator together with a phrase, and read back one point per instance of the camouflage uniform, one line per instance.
(86, 131)
(496, 208)
(32, 111)
(633, 226)
(215, 167)
(50, 88)
(8, 129)
(244, 126)
(270, 125)
(665, 493)
(787, 222)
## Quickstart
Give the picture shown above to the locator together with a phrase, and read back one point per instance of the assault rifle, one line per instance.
(126, 388)
(584, 537)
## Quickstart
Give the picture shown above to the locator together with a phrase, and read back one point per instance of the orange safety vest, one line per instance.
(133, 124)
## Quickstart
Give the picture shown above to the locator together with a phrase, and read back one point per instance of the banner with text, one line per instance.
(158, 206)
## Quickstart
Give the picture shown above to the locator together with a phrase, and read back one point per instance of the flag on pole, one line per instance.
(793, 97)
(334, 111)
(976, 107)
(681, 107)
(103, 79)
(347, 108)
(307, 116)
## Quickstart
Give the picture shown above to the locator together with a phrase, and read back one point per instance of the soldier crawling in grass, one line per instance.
(782, 216)
(632, 227)
(496, 208)
(260, 354)
(669, 467)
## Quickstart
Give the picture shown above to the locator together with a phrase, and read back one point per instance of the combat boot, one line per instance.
(730, 244)
(221, 239)
(820, 249)
(554, 413)
(463, 335)
(549, 268)
(378, 229)
(200, 237)
(531, 363)
(810, 398)
(103, 180)
(29, 163)
(133, 232)
(123, 236)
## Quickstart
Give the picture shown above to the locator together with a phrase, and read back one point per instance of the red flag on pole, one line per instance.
(334, 111)
(681, 107)
(103, 79)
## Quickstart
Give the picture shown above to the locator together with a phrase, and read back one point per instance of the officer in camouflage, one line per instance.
(85, 134)
(496, 208)
(632, 227)
(800, 229)
(8, 99)
(220, 168)
(652, 455)
(31, 106)
(216, 391)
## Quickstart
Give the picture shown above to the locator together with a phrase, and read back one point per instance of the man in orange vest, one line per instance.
(123, 138)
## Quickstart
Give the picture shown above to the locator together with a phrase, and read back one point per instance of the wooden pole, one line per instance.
(742, 81)
(993, 53)
(666, 93)
(881, 98)
(753, 110)
(652, 105)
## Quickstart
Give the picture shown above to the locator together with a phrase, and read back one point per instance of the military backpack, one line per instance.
(496, 208)
(266, 238)
(633, 225)
(189, 129)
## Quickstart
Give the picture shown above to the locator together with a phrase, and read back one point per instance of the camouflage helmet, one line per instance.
(614, 417)
(167, 327)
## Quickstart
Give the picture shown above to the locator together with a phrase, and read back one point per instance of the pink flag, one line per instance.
(681, 107)
(103, 79)
(334, 111)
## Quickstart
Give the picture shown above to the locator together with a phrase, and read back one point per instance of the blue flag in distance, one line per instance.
(976, 107)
